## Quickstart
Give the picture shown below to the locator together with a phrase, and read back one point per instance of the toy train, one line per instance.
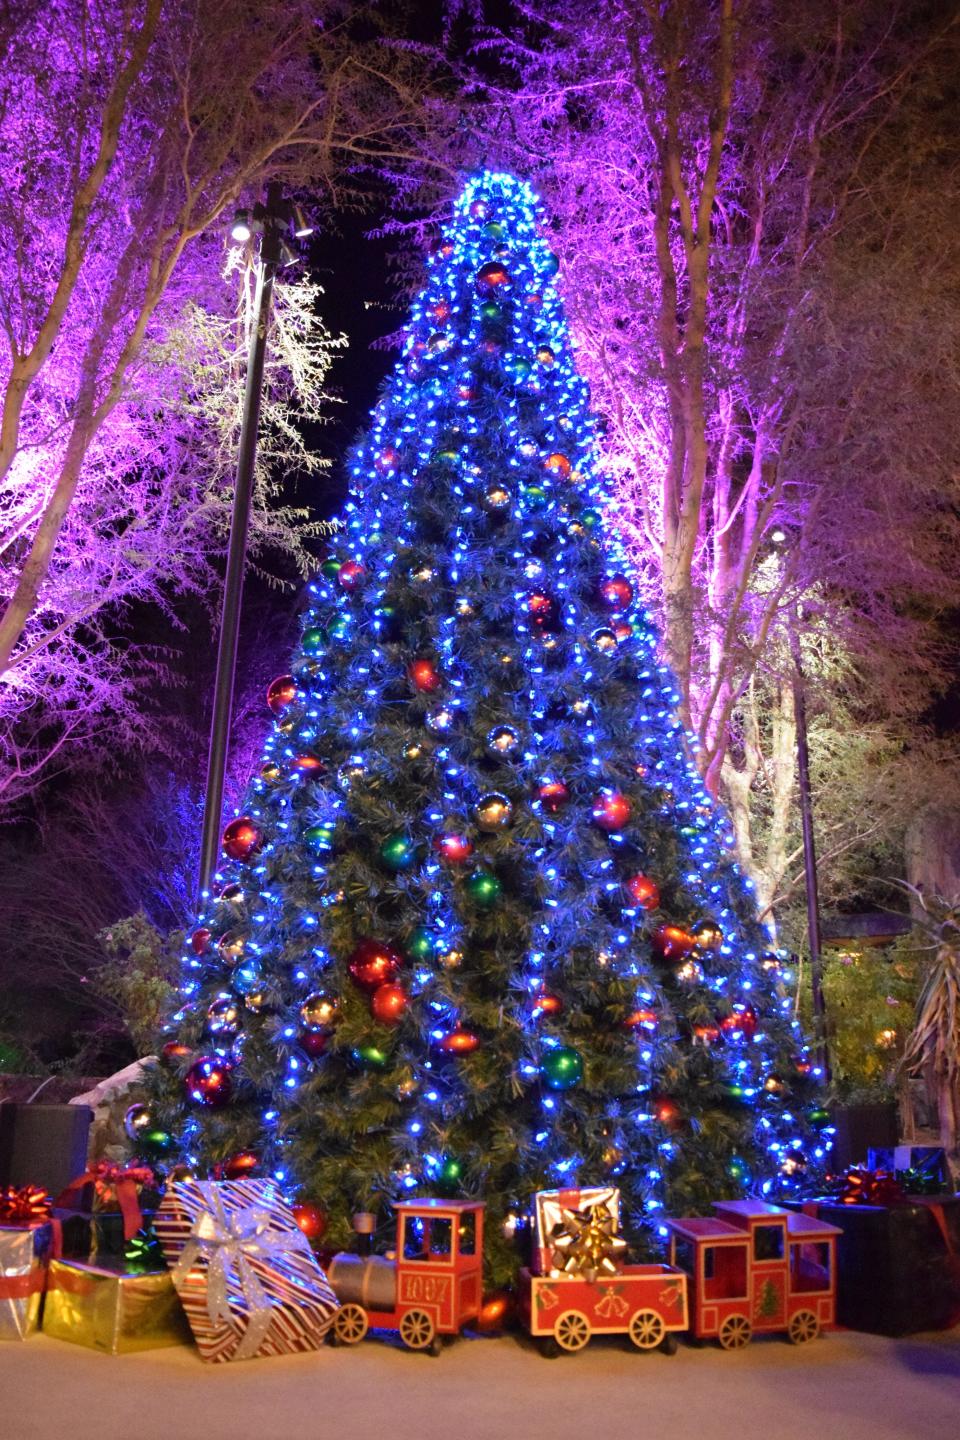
(750, 1269)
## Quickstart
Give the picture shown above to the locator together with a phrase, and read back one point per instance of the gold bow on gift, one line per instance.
(585, 1243)
(229, 1242)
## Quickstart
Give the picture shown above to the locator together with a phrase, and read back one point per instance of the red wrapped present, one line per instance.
(577, 1232)
(244, 1270)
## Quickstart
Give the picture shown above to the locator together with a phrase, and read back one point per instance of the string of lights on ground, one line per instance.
(479, 929)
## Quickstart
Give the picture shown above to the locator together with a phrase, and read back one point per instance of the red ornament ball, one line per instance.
(741, 1021)
(373, 963)
(459, 1042)
(665, 1111)
(543, 609)
(311, 1219)
(641, 1019)
(200, 941)
(558, 465)
(546, 1003)
(439, 310)
(173, 1050)
(553, 795)
(281, 693)
(389, 1004)
(387, 459)
(208, 1082)
(672, 942)
(241, 1165)
(611, 810)
(313, 1042)
(308, 765)
(455, 849)
(350, 576)
(616, 594)
(643, 891)
(424, 675)
(491, 277)
(242, 839)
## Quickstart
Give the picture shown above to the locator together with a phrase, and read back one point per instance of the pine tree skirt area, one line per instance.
(849, 1385)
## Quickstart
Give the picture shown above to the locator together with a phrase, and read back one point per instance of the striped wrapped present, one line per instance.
(244, 1271)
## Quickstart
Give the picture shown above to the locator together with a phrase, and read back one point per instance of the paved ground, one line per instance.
(844, 1387)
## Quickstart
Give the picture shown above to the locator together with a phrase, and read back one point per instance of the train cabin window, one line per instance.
(724, 1272)
(441, 1238)
(426, 1239)
(468, 1233)
(684, 1255)
(768, 1242)
(809, 1267)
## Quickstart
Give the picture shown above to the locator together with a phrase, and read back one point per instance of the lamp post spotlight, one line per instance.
(240, 231)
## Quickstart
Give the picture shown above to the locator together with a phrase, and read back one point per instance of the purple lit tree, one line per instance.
(765, 315)
(126, 133)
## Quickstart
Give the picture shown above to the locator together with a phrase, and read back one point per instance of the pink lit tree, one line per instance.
(763, 312)
(127, 132)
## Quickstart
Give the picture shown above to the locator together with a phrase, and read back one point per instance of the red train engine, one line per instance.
(429, 1290)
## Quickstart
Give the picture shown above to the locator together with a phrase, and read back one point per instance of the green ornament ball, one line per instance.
(421, 944)
(522, 369)
(313, 639)
(819, 1118)
(483, 888)
(339, 627)
(398, 852)
(490, 310)
(534, 496)
(562, 1068)
(494, 230)
(319, 837)
(371, 1057)
(590, 518)
(157, 1141)
(331, 568)
(449, 1175)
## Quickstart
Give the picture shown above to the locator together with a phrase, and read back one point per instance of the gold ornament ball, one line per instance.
(320, 1010)
(451, 959)
(493, 812)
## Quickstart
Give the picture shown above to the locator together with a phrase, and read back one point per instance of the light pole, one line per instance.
(270, 219)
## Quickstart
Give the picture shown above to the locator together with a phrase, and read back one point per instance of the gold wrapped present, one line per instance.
(108, 1310)
(23, 1275)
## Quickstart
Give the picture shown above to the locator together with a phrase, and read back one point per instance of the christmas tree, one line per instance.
(481, 930)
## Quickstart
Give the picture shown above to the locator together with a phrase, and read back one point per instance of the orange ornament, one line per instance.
(643, 891)
(389, 1004)
(459, 1042)
(495, 1312)
(242, 839)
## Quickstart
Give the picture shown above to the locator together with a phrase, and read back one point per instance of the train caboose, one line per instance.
(756, 1267)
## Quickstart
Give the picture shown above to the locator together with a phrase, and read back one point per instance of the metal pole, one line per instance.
(237, 549)
(809, 858)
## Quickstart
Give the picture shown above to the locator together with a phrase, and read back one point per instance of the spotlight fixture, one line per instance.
(240, 231)
(301, 225)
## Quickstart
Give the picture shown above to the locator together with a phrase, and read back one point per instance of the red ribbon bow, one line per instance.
(870, 1187)
(24, 1206)
(117, 1182)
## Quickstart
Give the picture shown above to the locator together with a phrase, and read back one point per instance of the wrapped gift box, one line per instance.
(24, 1253)
(921, 1169)
(100, 1235)
(898, 1265)
(244, 1270)
(552, 1207)
(106, 1309)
